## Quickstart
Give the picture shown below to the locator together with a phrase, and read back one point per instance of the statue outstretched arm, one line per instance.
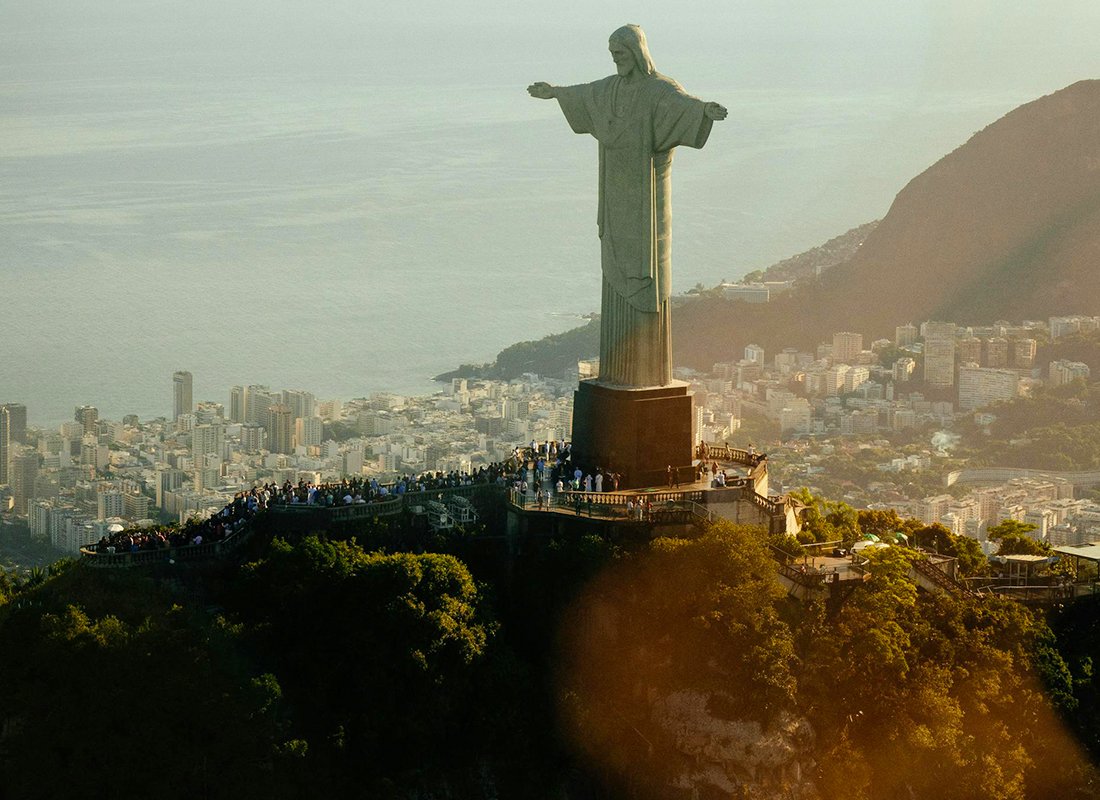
(542, 90)
(714, 111)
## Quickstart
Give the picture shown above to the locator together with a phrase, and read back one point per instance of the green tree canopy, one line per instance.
(1014, 539)
(382, 652)
(696, 614)
(148, 704)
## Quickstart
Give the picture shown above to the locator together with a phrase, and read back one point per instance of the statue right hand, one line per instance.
(541, 90)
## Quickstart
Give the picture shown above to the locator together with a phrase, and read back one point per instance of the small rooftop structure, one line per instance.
(1088, 552)
(439, 517)
(462, 510)
(1022, 567)
(1079, 553)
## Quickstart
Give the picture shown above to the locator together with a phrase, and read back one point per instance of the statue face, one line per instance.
(623, 58)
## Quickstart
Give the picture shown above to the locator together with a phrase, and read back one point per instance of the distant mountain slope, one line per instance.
(821, 258)
(1006, 226)
(558, 353)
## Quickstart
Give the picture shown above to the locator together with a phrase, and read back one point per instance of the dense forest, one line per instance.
(576, 667)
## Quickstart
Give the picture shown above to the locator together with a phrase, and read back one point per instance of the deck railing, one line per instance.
(666, 507)
(393, 507)
(938, 577)
(725, 453)
(167, 555)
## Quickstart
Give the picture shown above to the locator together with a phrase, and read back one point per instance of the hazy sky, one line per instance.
(260, 192)
(934, 43)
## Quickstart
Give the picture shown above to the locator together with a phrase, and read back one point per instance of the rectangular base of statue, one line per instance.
(637, 433)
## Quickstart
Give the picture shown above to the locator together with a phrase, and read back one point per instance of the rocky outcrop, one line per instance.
(738, 757)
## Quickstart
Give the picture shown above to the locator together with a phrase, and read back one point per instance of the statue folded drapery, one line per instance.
(638, 116)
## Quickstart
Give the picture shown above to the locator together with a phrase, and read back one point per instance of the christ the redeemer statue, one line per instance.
(638, 116)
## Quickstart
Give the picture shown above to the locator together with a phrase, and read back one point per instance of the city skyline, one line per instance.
(250, 156)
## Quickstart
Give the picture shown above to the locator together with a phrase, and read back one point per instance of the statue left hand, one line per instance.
(715, 112)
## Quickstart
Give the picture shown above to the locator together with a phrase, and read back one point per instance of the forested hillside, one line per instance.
(581, 668)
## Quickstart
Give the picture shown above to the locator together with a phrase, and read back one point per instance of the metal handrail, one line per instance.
(622, 498)
(185, 552)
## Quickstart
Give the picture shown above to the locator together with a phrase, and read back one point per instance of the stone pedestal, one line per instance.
(637, 433)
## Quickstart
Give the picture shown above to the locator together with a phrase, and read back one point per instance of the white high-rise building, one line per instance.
(301, 404)
(168, 481)
(903, 369)
(280, 429)
(981, 386)
(855, 377)
(905, 335)
(181, 394)
(353, 461)
(236, 404)
(207, 440)
(939, 353)
(208, 411)
(1063, 372)
(834, 379)
(38, 518)
(796, 416)
(847, 347)
(253, 438)
(308, 431)
(109, 504)
(257, 400)
(932, 509)
(1063, 326)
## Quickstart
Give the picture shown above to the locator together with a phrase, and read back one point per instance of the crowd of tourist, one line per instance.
(357, 491)
(349, 491)
(550, 462)
(215, 528)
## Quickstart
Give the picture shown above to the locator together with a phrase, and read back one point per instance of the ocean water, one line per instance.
(352, 210)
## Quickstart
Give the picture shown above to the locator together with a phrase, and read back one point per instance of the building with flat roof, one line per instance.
(982, 386)
(939, 353)
(1063, 372)
(181, 394)
(847, 346)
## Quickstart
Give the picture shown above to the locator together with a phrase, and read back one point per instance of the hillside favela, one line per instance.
(362, 434)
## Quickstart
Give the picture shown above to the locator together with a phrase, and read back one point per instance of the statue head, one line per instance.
(629, 39)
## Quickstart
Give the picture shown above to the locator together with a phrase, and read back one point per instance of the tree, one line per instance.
(1009, 527)
(1014, 539)
(878, 522)
(1014, 544)
(82, 690)
(381, 654)
(826, 520)
(938, 539)
(919, 695)
(693, 615)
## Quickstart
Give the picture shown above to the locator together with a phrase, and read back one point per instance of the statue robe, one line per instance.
(637, 126)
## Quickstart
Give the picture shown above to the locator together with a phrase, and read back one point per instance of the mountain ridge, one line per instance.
(1007, 225)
